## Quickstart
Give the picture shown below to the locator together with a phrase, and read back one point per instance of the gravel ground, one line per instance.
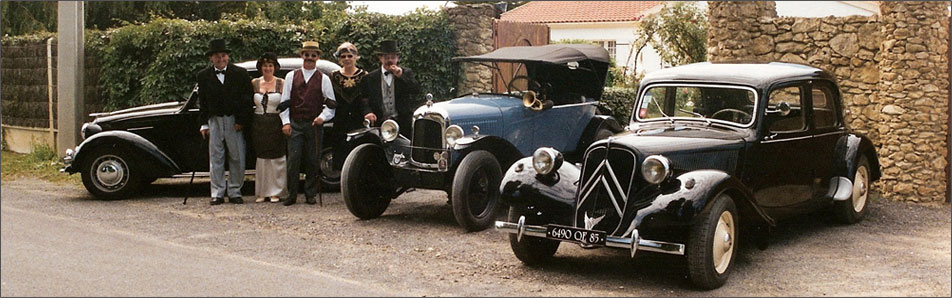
(417, 249)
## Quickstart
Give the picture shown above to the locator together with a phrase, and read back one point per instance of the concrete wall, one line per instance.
(893, 71)
(623, 33)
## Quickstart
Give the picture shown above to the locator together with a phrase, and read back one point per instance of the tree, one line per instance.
(678, 32)
(23, 17)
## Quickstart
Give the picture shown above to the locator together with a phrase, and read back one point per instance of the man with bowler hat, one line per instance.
(390, 92)
(309, 96)
(225, 102)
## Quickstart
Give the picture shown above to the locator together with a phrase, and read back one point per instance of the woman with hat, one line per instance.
(268, 140)
(347, 91)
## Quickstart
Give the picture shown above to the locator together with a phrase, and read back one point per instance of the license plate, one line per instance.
(571, 234)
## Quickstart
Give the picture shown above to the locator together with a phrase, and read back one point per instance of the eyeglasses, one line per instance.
(307, 55)
(347, 56)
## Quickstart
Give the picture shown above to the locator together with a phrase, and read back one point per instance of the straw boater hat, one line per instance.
(310, 46)
(215, 46)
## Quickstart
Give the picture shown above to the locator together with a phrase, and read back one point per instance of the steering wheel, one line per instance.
(744, 115)
(530, 83)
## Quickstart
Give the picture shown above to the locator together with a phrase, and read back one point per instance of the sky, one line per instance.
(400, 7)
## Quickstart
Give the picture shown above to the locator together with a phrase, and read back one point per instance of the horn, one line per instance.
(530, 100)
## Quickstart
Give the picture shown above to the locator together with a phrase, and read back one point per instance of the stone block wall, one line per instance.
(892, 69)
(474, 33)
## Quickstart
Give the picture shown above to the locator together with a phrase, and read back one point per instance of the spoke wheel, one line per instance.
(366, 182)
(330, 177)
(475, 193)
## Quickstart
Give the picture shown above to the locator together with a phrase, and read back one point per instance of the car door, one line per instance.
(826, 128)
(779, 176)
(191, 148)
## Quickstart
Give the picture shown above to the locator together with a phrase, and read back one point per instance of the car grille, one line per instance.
(427, 138)
(605, 187)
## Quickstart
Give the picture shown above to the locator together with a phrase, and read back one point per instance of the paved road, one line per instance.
(57, 240)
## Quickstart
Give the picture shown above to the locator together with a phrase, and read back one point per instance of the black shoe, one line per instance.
(236, 200)
(217, 201)
(290, 201)
(310, 201)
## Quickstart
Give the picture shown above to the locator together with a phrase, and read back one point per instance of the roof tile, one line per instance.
(578, 11)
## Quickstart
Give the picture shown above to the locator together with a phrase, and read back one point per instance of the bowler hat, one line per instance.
(388, 47)
(268, 57)
(215, 46)
(310, 46)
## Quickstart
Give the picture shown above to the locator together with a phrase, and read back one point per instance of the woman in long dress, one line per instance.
(268, 140)
(347, 116)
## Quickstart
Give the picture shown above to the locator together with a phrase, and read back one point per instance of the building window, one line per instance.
(608, 45)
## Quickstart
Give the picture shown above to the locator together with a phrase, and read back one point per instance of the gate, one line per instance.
(509, 34)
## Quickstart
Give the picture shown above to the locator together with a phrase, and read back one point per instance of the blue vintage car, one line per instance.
(462, 145)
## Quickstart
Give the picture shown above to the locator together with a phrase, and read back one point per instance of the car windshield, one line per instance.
(733, 105)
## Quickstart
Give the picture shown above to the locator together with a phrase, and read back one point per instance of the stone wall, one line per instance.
(474, 36)
(892, 69)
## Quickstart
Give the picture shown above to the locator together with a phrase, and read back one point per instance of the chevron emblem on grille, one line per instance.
(604, 178)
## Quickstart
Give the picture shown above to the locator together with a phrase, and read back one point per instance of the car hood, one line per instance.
(687, 147)
(138, 112)
(485, 111)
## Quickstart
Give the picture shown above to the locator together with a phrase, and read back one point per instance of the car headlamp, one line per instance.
(546, 159)
(453, 134)
(655, 169)
(389, 130)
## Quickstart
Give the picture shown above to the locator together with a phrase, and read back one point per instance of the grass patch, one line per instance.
(42, 163)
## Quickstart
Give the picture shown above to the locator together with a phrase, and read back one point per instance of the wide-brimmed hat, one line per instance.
(215, 46)
(310, 46)
(388, 47)
(268, 57)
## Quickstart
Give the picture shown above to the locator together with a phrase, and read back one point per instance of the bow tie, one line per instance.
(218, 72)
(386, 73)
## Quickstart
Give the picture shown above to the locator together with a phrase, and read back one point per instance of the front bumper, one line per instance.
(68, 161)
(633, 244)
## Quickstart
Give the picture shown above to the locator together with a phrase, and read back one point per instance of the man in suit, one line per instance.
(225, 99)
(309, 98)
(390, 92)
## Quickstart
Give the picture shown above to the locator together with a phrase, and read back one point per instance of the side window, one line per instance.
(824, 110)
(777, 120)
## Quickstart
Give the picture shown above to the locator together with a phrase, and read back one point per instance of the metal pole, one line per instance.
(69, 79)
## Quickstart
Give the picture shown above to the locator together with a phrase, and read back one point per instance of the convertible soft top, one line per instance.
(553, 53)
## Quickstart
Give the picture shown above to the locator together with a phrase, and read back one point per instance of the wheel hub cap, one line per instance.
(723, 242)
(110, 173)
(860, 189)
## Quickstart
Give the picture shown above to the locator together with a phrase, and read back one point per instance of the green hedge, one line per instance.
(154, 62)
(620, 100)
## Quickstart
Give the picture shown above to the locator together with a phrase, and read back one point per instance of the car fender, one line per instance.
(677, 202)
(848, 149)
(588, 135)
(504, 151)
(552, 196)
(364, 135)
(162, 165)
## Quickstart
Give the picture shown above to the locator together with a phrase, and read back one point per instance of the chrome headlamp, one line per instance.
(389, 130)
(546, 159)
(452, 134)
(655, 169)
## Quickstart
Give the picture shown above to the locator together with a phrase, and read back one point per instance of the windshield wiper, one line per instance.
(660, 110)
(697, 115)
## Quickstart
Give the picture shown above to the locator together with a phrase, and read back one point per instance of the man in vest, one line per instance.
(311, 97)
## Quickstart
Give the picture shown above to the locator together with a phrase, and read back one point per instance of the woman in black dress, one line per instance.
(348, 115)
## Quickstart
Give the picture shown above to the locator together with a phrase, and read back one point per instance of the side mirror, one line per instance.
(783, 108)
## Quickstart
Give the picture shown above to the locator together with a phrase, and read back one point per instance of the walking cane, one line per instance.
(189, 186)
(318, 141)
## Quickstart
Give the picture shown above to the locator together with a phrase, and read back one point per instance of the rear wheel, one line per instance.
(530, 250)
(852, 210)
(475, 193)
(109, 174)
(330, 177)
(711, 248)
(366, 182)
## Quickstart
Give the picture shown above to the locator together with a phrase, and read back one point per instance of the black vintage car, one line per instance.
(125, 149)
(713, 153)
